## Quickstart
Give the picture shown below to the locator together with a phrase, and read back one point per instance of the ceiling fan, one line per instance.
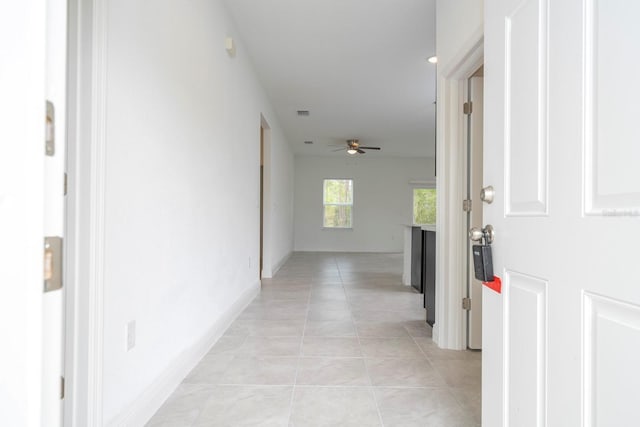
(354, 147)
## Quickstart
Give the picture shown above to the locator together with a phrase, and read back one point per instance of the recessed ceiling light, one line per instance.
(433, 59)
(308, 142)
(303, 113)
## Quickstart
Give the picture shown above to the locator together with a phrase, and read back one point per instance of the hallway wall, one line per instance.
(182, 188)
(382, 201)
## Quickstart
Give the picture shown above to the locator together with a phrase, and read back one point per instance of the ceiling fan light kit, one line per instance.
(354, 147)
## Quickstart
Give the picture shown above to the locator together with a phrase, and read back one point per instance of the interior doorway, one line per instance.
(473, 111)
(265, 244)
(261, 199)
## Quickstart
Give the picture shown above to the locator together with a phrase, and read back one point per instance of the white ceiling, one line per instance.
(358, 66)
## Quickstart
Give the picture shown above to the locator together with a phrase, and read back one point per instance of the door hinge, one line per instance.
(52, 263)
(50, 130)
(466, 205)
(61, 388)
(65, 183)
(467, 107)
(466, 303)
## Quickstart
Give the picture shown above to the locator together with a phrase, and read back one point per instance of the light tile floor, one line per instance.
(332, 340)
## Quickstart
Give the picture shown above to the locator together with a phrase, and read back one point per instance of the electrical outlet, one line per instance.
(131, 335)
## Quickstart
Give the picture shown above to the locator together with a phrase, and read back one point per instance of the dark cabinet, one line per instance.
(429, 274)
(416, 258)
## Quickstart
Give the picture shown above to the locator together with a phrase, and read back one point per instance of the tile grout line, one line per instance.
(300, 354)
(364, 360)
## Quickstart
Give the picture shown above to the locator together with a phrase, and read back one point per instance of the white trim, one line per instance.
(96, 212)
(449, 326)
(427, 183)
(85, 210)
(140, 411)
(278, 265)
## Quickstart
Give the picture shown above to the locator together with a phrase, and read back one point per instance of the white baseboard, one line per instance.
(142, 409)
(276, 267)
(280, 263)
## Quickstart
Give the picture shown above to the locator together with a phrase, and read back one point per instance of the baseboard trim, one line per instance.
(280, 263)
(142, 409)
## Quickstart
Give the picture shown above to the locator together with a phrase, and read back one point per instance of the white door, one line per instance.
(561, 343)
(54, 167)
(473, 153)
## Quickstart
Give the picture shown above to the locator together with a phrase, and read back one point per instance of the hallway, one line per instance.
(333, 340)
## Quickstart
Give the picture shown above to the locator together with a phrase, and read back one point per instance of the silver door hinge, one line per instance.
(52, 263)
(466, 303)
(467, 108)
(61, 388)
(65, 183)
(466, 205)
(50, 130)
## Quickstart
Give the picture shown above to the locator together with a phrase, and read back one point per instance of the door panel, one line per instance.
(611, 173)
(525, 340)
(561, 151)
(612, 331)
(526, 109)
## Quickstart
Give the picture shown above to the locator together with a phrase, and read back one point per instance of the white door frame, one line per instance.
(267, 263)
(85, 212)
(450, 327)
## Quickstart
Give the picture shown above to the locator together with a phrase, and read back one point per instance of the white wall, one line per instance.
(279, 204)
(457, 22)
(182, 186)
(382, 201)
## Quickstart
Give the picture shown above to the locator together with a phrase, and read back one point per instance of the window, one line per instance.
(338, 203)
(424, 206)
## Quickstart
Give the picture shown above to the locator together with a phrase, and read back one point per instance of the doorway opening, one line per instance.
(473, 111)
(261, 199)
(265, 263)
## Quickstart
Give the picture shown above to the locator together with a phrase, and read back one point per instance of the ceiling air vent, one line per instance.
(308, 142)
(303, 113)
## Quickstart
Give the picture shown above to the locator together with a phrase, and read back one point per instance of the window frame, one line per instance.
(413, 202)
(324, 204)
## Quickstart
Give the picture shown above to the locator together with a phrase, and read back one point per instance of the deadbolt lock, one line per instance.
(487, 194)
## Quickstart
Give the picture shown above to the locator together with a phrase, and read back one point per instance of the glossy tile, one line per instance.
(332, 371)
(403, 372)
(470, 398)
(420, 407)
(232, 406)
(433, 352)
(390, 347)
(334, 406)
(182, 408)
(260, 370)
(330, 328)
(332, 340)
(270, 346)
(381, 330)
(331, 346)
(459, 372)
(266, 328)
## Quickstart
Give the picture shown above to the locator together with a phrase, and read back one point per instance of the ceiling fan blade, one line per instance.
(370, 148)
(361, 152)
(339, 149)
